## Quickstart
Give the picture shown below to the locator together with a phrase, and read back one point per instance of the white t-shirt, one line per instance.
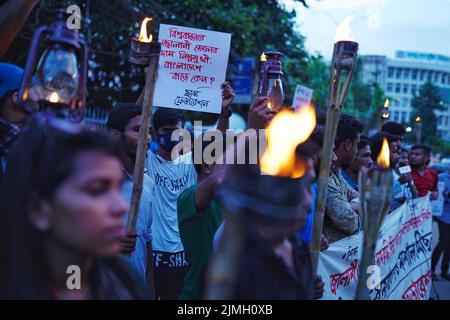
(170, 178)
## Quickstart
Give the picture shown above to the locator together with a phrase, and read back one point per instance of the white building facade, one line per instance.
(401, 78)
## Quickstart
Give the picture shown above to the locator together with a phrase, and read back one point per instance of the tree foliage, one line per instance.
(424, 105)
(109, 25)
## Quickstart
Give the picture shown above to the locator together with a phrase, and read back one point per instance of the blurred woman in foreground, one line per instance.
(62, 219)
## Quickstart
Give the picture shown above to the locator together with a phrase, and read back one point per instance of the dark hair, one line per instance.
(363, 142)
(121, 114)
(40, 161)
(203, 144)
(313, 145)
(348, 128)
(166, 116)
(394, 128)
(402, 149)
(426, 149)
(376, 143)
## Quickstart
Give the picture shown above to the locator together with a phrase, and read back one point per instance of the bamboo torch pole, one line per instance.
(342, 67)
(375, 195)
(144, 54)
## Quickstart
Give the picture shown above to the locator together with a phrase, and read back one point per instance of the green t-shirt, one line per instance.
(197, 231)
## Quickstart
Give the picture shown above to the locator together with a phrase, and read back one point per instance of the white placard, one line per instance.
(303, 96)
(192, 67)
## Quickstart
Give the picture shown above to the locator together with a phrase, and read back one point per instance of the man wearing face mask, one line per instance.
(171, 177)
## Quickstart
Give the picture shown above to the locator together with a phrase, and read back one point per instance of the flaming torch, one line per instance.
(418, 130)
(246, 188)
(144, 52)
(342, 67)
(385, 114)
(375, 195)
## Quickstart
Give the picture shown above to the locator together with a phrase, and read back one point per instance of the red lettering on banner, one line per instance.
(388, 250)
(343, 279)
(418, 289)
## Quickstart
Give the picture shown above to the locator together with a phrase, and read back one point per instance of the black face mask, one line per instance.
(165, 141)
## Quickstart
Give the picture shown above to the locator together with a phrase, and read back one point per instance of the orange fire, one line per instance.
(343, 30)
(54, 98)
(263, 57)
(285, 132)
(418, 119)
(383, 160)
(143, 36)
(386, 103)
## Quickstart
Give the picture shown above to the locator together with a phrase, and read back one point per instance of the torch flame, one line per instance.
(418, 119)
(386, 103)
(383, 160)
(285, 132)
(263, 57)
(343, 30)
(54, 98)
(143, 36)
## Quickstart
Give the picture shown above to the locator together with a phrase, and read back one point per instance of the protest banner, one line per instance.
(192, 67)
(402, 258)
(303, 96)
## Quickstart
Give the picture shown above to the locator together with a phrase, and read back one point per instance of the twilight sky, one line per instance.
(380, 26)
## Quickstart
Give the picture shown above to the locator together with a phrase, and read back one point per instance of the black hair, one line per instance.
(204, 144)
(313, 145)
(376, 143)
(348, 129)
(426, 149)
(394, 128)
(363, 142)
(39, 162)
(121, 114)
(402, 149)
(166, 116)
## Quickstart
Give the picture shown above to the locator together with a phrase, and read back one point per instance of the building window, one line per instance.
(436, 76)
(397, 87)
(406, 102)
(429, 76)
(390, 72)
(404, 115)
(398, 74)
(444, 78)
(405, 88)
(413, 89)
(389, 87)
(414, 74)
(406, 74)
(396, 116)
(422, 75)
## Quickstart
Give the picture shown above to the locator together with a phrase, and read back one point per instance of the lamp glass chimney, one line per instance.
(57, 72)
(275, 93)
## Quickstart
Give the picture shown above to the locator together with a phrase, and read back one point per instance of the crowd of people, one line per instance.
(65, 197)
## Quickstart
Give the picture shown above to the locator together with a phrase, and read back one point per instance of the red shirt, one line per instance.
(426, 182)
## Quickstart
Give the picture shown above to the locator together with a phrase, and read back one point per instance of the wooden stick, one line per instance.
(138, 175)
